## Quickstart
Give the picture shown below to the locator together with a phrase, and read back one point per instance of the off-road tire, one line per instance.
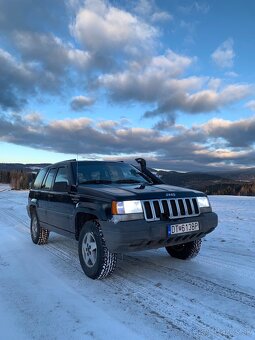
(105, 260)
(186, 250)
(39, 235)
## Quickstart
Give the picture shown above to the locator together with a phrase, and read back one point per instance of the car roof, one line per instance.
(75, 161)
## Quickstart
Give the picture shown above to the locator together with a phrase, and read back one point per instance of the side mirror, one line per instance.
(72, 188)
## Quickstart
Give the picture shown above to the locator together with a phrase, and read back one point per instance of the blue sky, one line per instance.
(172, 81)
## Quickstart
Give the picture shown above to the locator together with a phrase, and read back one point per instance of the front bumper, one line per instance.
(139, 235)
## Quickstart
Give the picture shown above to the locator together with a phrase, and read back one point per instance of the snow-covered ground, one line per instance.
(45, 295)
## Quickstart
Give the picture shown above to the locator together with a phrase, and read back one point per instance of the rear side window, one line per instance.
(39, 178)
(49, 179)
(62, 176)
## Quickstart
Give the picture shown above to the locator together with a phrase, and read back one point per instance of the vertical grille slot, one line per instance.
(195, 205)
(165, 208)
(174, 207)
(156, 208)
(148, 211)
(181, 205)
(188, 204)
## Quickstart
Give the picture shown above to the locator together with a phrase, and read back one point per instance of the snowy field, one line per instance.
(45, 295)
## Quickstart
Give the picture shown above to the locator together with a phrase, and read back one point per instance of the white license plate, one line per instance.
(182, 228)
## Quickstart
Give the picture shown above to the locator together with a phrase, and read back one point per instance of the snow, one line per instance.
(45, 295)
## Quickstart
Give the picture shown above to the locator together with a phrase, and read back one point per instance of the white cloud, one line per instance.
(150, 81)
(171, 63)
(224, 55)
(159, 81)
(195, 6)
(251, 105)
(103, 28)
(149, 10)
(231, 74)
(161, 16)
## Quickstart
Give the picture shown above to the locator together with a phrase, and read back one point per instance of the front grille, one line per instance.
(170, 208)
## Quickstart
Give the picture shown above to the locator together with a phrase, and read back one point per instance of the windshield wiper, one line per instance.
(127, 181)
(97, 181)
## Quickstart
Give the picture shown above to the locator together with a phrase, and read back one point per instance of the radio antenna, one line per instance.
(77, 165)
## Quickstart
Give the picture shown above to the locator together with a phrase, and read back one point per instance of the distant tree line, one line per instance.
(242, 189)
(210, 184)
(18, 179)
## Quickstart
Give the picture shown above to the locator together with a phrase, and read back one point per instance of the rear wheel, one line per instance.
(96, 260)
(39, 235)
(186, 250)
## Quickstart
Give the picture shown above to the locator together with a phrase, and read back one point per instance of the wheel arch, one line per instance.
(32, 208)
(80, 218)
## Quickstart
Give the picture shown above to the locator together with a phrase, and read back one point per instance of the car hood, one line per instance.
(133, 192)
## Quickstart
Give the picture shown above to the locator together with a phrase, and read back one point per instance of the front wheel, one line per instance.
(96, 260)
(186, 250)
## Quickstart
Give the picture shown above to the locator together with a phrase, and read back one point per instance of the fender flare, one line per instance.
(88, 211)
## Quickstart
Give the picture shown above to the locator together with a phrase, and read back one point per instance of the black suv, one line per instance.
(115, 207)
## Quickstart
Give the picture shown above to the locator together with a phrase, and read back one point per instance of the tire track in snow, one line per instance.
(200, 282)
(119, 284)
(222, 266)
(170, 302)
(149, 297)
(234, 324)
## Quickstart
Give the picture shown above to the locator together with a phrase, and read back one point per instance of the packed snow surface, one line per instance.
(45, 295)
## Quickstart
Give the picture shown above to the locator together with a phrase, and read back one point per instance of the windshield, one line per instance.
(108, 173)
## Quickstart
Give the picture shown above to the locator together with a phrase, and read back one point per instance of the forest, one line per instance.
(18, 179)
(21, 179)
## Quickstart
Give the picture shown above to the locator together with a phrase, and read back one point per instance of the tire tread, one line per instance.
(109, 259)
(189, 251)
(43, 236)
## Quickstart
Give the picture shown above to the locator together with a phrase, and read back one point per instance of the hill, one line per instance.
(222, 183)
(238, 182)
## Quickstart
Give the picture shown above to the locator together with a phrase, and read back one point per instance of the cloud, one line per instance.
(199, 7)
(16, 80)
(104, 29)
(80, 103)
(95, 45)
(161, 17)
(51, 52)
(150, 11)
(251, 105)
(231, 74)
(151, 81)
(166, 124)
(238, 134)
(33, 15)
(181, 148)
(21, 79)
(116, 55)
(159, 82)
(224, 55)
(37, 69)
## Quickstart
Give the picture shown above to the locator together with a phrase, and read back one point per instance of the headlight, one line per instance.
(203, 202)
(126, 207)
